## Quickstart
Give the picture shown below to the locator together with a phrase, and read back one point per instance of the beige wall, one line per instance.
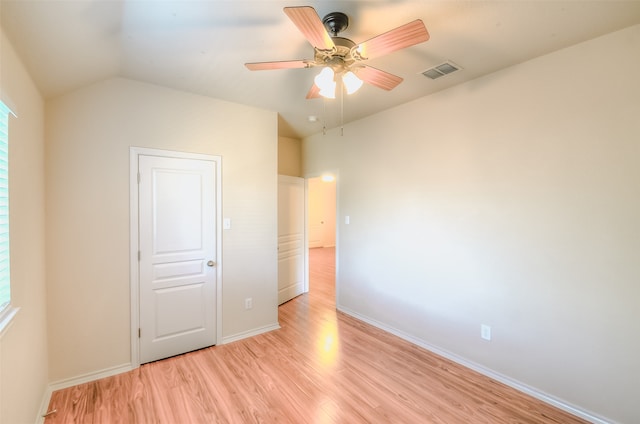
(289, 157)
(88, 136)
(512, 201)
(23, 347)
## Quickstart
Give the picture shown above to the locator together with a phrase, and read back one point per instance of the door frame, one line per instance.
(134, 243)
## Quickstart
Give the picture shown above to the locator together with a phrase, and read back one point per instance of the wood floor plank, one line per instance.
(322, 366)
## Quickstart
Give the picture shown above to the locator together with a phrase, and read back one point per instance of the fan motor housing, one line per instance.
(338, 58)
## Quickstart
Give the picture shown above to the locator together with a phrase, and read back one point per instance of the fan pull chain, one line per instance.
(324, 116)
(341, 111)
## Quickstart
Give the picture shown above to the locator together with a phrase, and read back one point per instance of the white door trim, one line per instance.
(134, 271)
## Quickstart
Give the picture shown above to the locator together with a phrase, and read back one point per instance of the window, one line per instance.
(5, 281)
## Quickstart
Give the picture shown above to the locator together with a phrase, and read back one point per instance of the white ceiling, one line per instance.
(201, 46)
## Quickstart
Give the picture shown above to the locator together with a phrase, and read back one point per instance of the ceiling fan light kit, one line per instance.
(341, 57)
(325, 81)
(351, 82)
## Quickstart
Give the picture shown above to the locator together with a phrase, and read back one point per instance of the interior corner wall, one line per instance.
(511, 201)
(88, 135)
(289, 156)
(23, 346)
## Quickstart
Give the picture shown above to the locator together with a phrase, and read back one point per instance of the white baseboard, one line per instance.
(250, 333)
(552, 400)
(108, 372)
(74, 381)
(531, 391)
(91, 376)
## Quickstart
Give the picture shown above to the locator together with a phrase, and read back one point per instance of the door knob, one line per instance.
(211, 263)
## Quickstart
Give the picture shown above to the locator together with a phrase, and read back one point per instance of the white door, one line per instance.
(177, 244)
(290, 237)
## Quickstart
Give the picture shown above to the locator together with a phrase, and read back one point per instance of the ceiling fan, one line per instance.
(342, 57)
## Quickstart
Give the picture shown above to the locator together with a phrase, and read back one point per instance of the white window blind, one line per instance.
(5, 280)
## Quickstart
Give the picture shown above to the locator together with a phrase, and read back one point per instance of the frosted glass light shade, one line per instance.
(326, 83)
(351, 82)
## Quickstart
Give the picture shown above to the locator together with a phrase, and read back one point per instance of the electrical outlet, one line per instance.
(248, 303)
(485, 332)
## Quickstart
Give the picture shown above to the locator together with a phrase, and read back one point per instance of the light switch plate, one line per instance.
(485, 332)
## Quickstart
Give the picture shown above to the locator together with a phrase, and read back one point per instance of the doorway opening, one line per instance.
(321, 236)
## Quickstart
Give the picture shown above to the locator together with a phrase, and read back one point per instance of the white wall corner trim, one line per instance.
(531, 391)
(44, 405)
(9, 103)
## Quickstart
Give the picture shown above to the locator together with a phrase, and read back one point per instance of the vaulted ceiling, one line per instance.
(201, 46)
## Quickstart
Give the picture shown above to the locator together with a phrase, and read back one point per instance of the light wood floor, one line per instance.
(321, 367)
